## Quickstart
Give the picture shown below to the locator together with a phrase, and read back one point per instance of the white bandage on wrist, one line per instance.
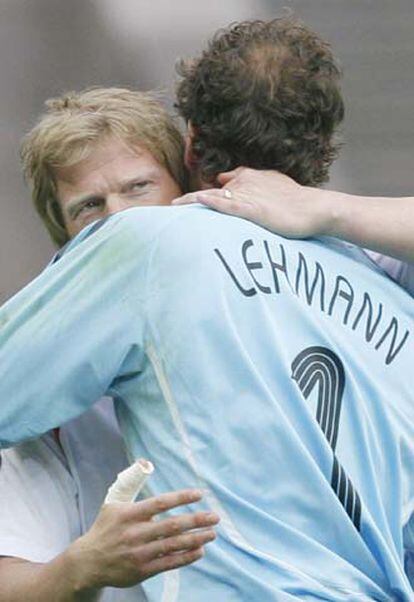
(129, 482)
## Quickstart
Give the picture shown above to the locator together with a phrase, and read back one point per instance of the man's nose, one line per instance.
(115, 203)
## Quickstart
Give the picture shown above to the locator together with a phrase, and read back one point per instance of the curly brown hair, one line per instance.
(264, 95)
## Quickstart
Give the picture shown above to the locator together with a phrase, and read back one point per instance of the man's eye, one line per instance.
(137, 186)
(92, 204)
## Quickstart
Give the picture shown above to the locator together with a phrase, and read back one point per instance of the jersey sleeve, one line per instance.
(72, 332)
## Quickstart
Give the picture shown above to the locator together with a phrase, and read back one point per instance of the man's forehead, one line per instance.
(107, 158)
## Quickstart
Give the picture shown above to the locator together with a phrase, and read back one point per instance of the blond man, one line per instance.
(68, 135)
(51, 489)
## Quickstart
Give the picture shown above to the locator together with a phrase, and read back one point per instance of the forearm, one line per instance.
(382, 224)
(56, 581)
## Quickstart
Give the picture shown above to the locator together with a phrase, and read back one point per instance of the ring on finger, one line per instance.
(227, 193)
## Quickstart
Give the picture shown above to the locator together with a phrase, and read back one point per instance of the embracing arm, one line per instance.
(381, 224)
(278, 203)
(123, 547)
(71, 332)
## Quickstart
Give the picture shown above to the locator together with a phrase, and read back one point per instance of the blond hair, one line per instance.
(74, 123)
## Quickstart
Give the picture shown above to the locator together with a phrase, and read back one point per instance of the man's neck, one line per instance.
(197, 183)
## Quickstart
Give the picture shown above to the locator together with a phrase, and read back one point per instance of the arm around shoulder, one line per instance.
(278, 203)
(383, 224)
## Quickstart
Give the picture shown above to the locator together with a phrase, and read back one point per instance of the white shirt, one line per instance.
(49, 498)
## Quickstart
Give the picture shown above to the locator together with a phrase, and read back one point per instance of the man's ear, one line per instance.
(190, 160)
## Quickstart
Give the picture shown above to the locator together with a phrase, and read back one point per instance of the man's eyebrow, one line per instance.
(151, 174)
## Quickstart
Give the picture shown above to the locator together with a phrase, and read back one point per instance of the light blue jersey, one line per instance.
(275, 374)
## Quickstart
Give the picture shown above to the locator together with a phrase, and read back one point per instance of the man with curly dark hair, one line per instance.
(265, 95)
(271, 373)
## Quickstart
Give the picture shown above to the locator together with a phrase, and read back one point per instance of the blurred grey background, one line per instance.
(49, 46)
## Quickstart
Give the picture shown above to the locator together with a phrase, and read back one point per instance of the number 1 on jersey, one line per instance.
(320, 367)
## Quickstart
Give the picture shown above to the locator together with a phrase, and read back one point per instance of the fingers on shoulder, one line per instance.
(185, 199)
(227, 176)
(219, 202)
